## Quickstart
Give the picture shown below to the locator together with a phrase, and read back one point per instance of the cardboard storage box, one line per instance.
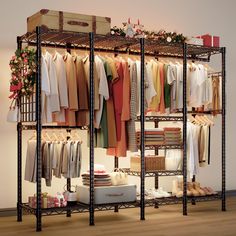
(107, 194)
(152, 163)
(65, 21)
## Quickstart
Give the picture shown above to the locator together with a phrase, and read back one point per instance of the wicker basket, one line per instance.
(152, 163)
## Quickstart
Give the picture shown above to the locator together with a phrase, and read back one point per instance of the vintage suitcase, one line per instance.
(152, 163)
(65, 21)
(107, 194)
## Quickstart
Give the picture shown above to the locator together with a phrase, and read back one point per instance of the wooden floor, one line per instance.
(203, 219)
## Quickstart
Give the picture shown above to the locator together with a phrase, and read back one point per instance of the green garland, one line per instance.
(160, 36)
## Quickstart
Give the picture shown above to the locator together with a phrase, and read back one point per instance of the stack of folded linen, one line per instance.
(172, 135)
(154, 136)
(101, 177)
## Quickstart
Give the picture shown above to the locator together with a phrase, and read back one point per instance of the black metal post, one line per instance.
(68, 180)
(142, 123)
(156, 174)
(193, 180)
(116, 165)
(38, 129)
(19, 157)
(19, 172)
(91, 125)
(185, 129)
(223, 129)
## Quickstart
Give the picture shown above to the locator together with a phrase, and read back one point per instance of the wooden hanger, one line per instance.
(192, 119)
(33, 136)
(45, 136)
(44, 51)
(208, 120)
(210, 69)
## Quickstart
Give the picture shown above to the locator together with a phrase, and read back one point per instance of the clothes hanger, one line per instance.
(209, 120)
(178, 62)
(44, 50)
(209, 68)
(74, 137)
(194, 120)
(62, 135)
(46, 137)
(54, 136)
(33, 136)
(191, 119)
(200, 118)
(55, 52)
(74, 53)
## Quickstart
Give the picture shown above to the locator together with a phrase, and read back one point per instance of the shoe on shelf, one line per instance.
(193, 191)
(163, 193)
(160, 193)
(178, 190)
(197, 187)
(146, 192)
(156, 194)
(189, 193)
(207, 192)
(211, 191)
(179, 194)
(175, 188)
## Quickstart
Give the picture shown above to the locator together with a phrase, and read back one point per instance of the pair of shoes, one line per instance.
(177, 188)
(209, 191)
(191, 187)
(198, 188)
(160, 193)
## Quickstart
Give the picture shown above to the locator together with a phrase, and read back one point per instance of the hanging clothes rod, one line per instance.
(215, 73)
(32, 127)
(118, 51)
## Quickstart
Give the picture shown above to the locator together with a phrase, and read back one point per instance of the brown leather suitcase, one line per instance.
(65, 21)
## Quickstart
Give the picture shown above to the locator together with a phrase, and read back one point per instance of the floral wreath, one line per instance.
(23, 68)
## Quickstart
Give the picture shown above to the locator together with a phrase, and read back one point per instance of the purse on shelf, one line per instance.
(13, 114)
(118, 177)
(70, 196)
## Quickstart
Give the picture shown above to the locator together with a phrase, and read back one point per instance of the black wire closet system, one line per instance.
(31, 117)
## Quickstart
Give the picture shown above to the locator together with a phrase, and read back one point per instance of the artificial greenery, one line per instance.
(23, 68)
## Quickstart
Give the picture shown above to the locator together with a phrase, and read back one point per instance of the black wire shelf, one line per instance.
(175, 200)
(152, 173)
(30, 126)
(161, 118)
(78, 208)
(55, 210)
(119, 44)
(164, 146)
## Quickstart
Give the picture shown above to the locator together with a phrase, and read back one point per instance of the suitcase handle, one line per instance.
(115, 194)
(80, 23)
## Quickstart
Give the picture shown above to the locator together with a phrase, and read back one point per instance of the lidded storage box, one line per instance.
(66, 21)
(108, 194)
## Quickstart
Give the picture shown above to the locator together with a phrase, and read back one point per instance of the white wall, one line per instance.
(189, 17)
